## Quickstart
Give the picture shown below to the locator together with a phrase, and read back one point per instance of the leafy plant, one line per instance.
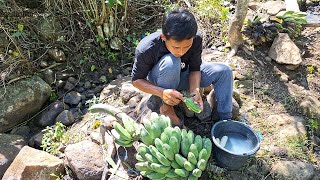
(109, 19)
(258, 33)
(19, 32)
(291, 22)
(53, 138)
(53, 96)
(93, 101)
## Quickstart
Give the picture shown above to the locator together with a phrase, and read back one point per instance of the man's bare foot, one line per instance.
(169, 111)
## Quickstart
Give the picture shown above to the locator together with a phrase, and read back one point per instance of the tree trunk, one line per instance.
(235, 37)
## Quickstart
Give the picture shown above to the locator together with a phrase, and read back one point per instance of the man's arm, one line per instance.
(169, 96)
(148, 87)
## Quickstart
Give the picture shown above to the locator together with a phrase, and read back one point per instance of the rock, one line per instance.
(206, 113)
(43, 64)
(213, 105)
(273, 7)
(279, 151)
(64, 76)
(22, 100)
(128, 91)
(10, 145)
(85, 159)
(292, 170)
(291, 67)
(34, 164)
(49, 28)
(287, 125)
(247, 84)
(268, 59)
(284, 51)
(133, 102)
(240, 77)
(87, 85)
(127, 71)
(284, 78)
(310, 106)
(68, 86)
(48, 76)
(114, 87)
(48, 116)
(316, 140)
(36, 141)
(23, 131)
(60, 84)
(98, 89)
(142, 109)
(96, 138)
(57, 55)
(72, 80)
(254, 5)
(72, 98)
(65, 117)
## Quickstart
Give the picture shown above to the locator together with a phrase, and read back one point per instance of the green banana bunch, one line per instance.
(174, 154)
(292, 23)
(153, 127)
(294, 17)
(128, 133)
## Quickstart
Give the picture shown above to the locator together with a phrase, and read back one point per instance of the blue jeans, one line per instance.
(167, 74)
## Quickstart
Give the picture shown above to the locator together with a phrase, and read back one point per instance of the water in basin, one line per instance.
(238, 144)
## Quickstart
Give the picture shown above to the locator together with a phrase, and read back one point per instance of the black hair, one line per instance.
(179, 24)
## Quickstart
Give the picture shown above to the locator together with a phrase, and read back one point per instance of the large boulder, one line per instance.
(273, 7)
(10, 146)
(284, 51)
(22, 100)
(287, 125)
(292, 170)
(85, 159)
(32, 164)
(50, 29)
(310, 106)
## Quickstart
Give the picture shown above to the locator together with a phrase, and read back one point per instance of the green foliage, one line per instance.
(208, 8)
(210, 12)
(53, 138)
(19, 32)
(93, 68)
(53, 96)
(313, 123)
(311, 69)
(93, 101)
(292, 23)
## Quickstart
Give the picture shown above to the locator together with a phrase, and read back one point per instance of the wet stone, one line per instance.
(72, 80)
(69, 86)
(72, 98)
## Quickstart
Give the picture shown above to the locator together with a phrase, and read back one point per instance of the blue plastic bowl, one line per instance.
(242, 144)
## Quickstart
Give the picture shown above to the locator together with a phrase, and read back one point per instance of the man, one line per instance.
(170, 61)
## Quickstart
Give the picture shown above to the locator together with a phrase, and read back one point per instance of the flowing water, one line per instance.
(238, 144)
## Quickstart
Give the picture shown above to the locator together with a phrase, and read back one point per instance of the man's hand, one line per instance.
(197, 98)
(172, 97)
